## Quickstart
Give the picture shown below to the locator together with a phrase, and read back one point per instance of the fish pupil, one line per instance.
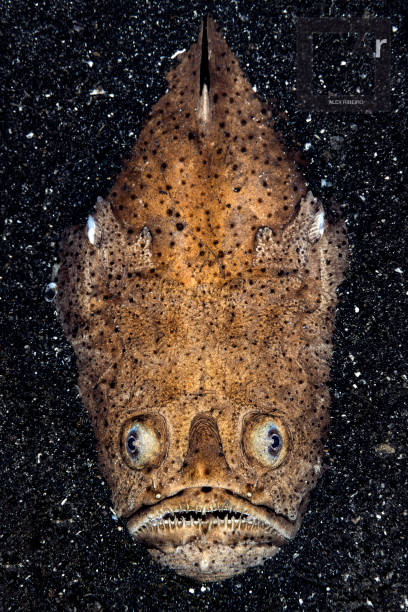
(275, 443)
(131, 443)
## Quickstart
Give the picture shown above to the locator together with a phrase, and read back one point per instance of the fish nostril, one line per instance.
(206, 489)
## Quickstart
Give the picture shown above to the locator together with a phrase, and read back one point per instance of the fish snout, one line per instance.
(204, 463)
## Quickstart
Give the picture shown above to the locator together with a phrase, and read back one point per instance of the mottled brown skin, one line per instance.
(204, 309)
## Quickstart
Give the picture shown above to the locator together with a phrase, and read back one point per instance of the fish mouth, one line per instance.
(194, 530)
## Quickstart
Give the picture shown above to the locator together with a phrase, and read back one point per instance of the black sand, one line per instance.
(60, 547)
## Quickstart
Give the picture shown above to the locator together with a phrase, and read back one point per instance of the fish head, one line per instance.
(215, 484)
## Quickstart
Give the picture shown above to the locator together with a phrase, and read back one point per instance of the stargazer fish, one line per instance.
(200, 302)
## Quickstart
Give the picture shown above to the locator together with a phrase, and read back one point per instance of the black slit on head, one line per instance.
(204, 67)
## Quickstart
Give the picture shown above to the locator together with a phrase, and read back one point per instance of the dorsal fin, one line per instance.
(204, 65)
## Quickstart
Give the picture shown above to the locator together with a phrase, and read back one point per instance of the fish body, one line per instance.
(200, 301)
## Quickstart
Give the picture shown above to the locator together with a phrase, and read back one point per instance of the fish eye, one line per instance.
(143, 441)
(265, 440)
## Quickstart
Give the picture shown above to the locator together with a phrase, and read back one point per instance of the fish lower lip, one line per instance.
(178, 518)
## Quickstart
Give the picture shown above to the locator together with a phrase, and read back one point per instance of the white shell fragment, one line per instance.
(177, 53)
(90, 229)
(50, 292)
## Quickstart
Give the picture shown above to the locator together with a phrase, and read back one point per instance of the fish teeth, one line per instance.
(178, 517)
(250, 523)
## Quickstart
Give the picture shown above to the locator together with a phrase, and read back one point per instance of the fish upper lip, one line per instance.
(233, 511)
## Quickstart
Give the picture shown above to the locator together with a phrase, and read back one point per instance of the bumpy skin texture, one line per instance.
(206, 300)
